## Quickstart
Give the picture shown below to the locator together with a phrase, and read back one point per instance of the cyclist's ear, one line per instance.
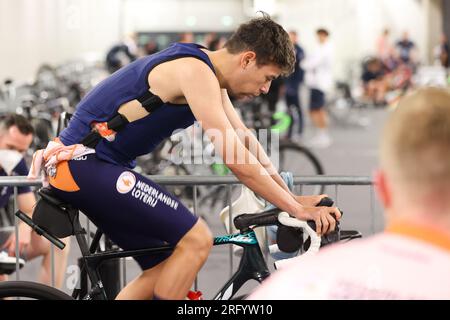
(382, 187)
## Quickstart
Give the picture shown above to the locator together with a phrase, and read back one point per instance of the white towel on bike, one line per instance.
(246, 203)
(271, 231)
(47, 159)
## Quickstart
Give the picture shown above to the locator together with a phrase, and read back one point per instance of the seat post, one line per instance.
(80, 233)
(91, 267)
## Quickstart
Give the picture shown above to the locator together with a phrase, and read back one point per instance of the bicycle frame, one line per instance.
(92, 262)
(252, 264)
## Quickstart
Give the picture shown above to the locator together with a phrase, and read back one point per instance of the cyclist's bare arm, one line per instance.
(253, 145)
(190, 80)
(250, 141)
(204, 97)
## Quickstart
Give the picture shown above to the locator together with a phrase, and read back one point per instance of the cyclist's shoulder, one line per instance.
(182, 50)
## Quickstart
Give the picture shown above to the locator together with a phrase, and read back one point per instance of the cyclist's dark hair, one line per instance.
(17, 120)
(323, 31)
(267, 39)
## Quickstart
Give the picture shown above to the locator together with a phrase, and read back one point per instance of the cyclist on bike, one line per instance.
(148, 100)
(411, 258)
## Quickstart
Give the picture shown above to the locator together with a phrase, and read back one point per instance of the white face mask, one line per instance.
(9, 160)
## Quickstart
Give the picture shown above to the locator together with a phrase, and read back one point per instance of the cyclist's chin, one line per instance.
(237, 95)
(244, 97)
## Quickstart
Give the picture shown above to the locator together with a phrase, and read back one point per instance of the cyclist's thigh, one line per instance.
(132, 210)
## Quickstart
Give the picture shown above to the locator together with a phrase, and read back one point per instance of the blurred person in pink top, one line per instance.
(411, 258)
(384, 47)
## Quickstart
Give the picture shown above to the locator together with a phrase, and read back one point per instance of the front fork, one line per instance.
(252, 266)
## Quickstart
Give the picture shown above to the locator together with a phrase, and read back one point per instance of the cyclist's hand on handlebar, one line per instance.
(324, 217)
(310, 201)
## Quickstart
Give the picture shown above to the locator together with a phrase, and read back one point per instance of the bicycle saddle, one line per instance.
(55, 216)
(47, 194)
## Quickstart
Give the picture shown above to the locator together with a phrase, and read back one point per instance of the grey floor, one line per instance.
(353, 153)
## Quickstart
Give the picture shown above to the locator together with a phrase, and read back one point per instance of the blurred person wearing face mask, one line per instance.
(16, 135)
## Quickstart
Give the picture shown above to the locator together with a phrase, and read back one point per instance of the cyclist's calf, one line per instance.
(181, 268)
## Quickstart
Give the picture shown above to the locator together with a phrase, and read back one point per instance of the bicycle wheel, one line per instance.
(30, 290)
(300, 161)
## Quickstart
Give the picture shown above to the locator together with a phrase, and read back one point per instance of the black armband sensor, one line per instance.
(150, 101)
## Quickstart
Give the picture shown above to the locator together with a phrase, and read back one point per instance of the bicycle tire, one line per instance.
(314, 162)
(32, 290)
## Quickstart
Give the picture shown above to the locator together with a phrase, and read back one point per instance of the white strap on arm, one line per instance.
(285, 219)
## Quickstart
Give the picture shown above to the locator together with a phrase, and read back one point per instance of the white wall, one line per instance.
(33, 32)
(435, 26)
(185, 15)
(52, 31)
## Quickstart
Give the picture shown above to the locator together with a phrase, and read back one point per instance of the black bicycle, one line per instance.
(59, 220)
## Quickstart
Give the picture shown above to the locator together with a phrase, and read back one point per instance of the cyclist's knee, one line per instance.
(199, 240)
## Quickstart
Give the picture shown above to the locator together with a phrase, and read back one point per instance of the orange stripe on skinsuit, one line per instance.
(64, 180)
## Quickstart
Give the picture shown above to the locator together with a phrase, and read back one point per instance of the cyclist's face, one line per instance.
(13, 139)
(251, 79)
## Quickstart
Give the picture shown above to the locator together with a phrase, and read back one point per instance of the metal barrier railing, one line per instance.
(195, 182)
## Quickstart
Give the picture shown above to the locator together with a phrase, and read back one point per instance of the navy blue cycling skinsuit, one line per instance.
(132, 210)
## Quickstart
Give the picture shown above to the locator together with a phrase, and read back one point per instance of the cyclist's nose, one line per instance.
(265, 88)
